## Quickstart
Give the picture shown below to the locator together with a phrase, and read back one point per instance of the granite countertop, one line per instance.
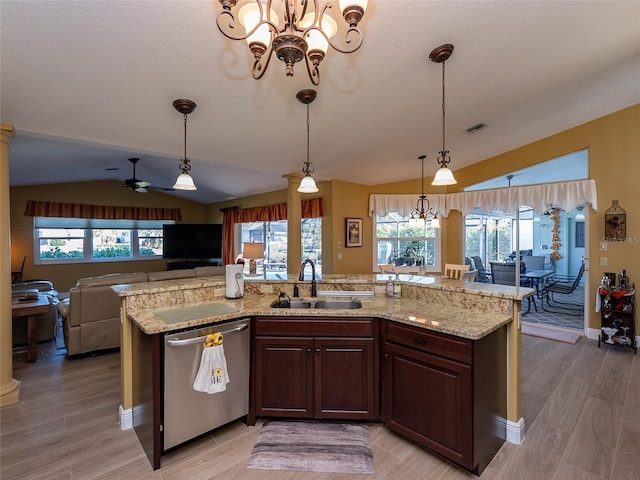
(457, 321)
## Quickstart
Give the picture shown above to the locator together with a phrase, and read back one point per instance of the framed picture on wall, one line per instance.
(354, 232)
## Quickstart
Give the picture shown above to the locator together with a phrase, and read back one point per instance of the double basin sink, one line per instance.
(318, 304)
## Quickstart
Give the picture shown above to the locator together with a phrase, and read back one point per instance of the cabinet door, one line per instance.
(345, 372)
(283, 376)
(429, 400)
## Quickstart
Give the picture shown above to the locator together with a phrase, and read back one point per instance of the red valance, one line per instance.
(311, 208)
(105, 212)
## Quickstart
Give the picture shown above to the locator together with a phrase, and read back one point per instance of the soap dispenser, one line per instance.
(389, 289)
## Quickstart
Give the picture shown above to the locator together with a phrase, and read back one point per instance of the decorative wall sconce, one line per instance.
(615, 223)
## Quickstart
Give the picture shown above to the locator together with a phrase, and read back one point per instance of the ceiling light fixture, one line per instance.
(184, 181)
(443, 176)
(303, 35)
(308, 184)
(421, 214)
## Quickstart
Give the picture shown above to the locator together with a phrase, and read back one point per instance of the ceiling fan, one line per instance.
(140, 186)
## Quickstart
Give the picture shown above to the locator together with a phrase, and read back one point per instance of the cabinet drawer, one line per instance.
(447, 346)
(314, 326)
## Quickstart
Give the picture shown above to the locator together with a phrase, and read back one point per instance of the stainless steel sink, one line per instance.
(291, 304)
(337, 304)
(320, 304)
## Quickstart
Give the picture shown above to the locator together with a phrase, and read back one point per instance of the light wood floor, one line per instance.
(581, 406)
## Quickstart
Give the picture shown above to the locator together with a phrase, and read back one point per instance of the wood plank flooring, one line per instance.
(581, 405)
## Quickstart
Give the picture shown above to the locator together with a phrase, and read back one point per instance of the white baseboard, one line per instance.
(126, 418)
(515, 431)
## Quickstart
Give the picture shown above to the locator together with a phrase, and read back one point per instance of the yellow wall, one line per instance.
(93, 193)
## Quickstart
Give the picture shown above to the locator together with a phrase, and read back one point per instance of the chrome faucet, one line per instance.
(314, 292)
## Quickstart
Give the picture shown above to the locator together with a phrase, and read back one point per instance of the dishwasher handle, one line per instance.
(195, 340)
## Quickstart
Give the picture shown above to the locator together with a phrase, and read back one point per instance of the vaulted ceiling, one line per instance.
(89, 84)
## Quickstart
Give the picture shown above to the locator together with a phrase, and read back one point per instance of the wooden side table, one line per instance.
(31, 310)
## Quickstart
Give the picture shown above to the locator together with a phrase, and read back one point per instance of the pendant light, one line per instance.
(184, 181)
(443, 176)
(308, 184)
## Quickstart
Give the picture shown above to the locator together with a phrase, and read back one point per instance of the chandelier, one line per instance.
(443, 176)
(421, 215)
(306, 31)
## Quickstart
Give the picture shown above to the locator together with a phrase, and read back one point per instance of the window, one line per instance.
(81, 240)
(400, 244)
(273, 236)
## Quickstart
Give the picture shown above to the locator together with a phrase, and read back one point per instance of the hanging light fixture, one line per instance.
(443, 176)
(184, 181)
(421, 214)
(308, 184)
(306, 32)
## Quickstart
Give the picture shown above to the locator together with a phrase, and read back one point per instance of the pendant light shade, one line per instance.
(308, 185)
(444, 176)
(185, 182)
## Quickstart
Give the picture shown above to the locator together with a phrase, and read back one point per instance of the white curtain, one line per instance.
(564, 195)
(403, 204)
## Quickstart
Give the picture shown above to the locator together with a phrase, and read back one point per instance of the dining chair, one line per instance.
(455, 271)
(503, 273)
(16, 277)
(563, 286)
(483, 275)
(386, 268)
(533, 262)
(469, 276)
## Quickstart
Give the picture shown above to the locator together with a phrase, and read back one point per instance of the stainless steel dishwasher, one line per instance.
(189, 413)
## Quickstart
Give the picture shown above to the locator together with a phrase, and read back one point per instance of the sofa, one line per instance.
(91, 314)
(47, 322)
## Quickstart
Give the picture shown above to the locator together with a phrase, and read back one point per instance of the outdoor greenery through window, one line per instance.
(59, 240)
(273, 237)
(400, 244)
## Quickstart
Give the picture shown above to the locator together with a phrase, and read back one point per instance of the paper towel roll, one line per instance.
(234, 281)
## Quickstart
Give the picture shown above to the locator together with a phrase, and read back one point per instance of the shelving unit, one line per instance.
(617, 319)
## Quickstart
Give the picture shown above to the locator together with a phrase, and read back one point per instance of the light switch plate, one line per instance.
(603, 261)
(603, 246)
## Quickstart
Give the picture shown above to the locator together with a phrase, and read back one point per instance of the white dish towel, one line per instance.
(212, 376)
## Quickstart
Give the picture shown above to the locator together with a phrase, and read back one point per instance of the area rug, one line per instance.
(313, 447)
(535, 331)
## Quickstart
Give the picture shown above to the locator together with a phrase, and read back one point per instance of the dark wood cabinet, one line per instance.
(446, 393)
(618, 319)
(319, 368)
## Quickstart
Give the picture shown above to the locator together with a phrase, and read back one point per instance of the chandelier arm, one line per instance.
(347, 38)
(258, 70)
(232, 24)
(312, 70)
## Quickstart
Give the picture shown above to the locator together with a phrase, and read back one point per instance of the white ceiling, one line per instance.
(88, 84)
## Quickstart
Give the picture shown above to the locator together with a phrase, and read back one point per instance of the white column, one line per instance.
(9, 387)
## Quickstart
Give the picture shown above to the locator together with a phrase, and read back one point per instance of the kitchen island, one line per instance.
(459, 319)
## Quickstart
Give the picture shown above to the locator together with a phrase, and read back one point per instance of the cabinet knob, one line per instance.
(317, 351)
(386, 356)
(309, 350)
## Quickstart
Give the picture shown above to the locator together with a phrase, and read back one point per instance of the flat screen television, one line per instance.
(192, 241)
